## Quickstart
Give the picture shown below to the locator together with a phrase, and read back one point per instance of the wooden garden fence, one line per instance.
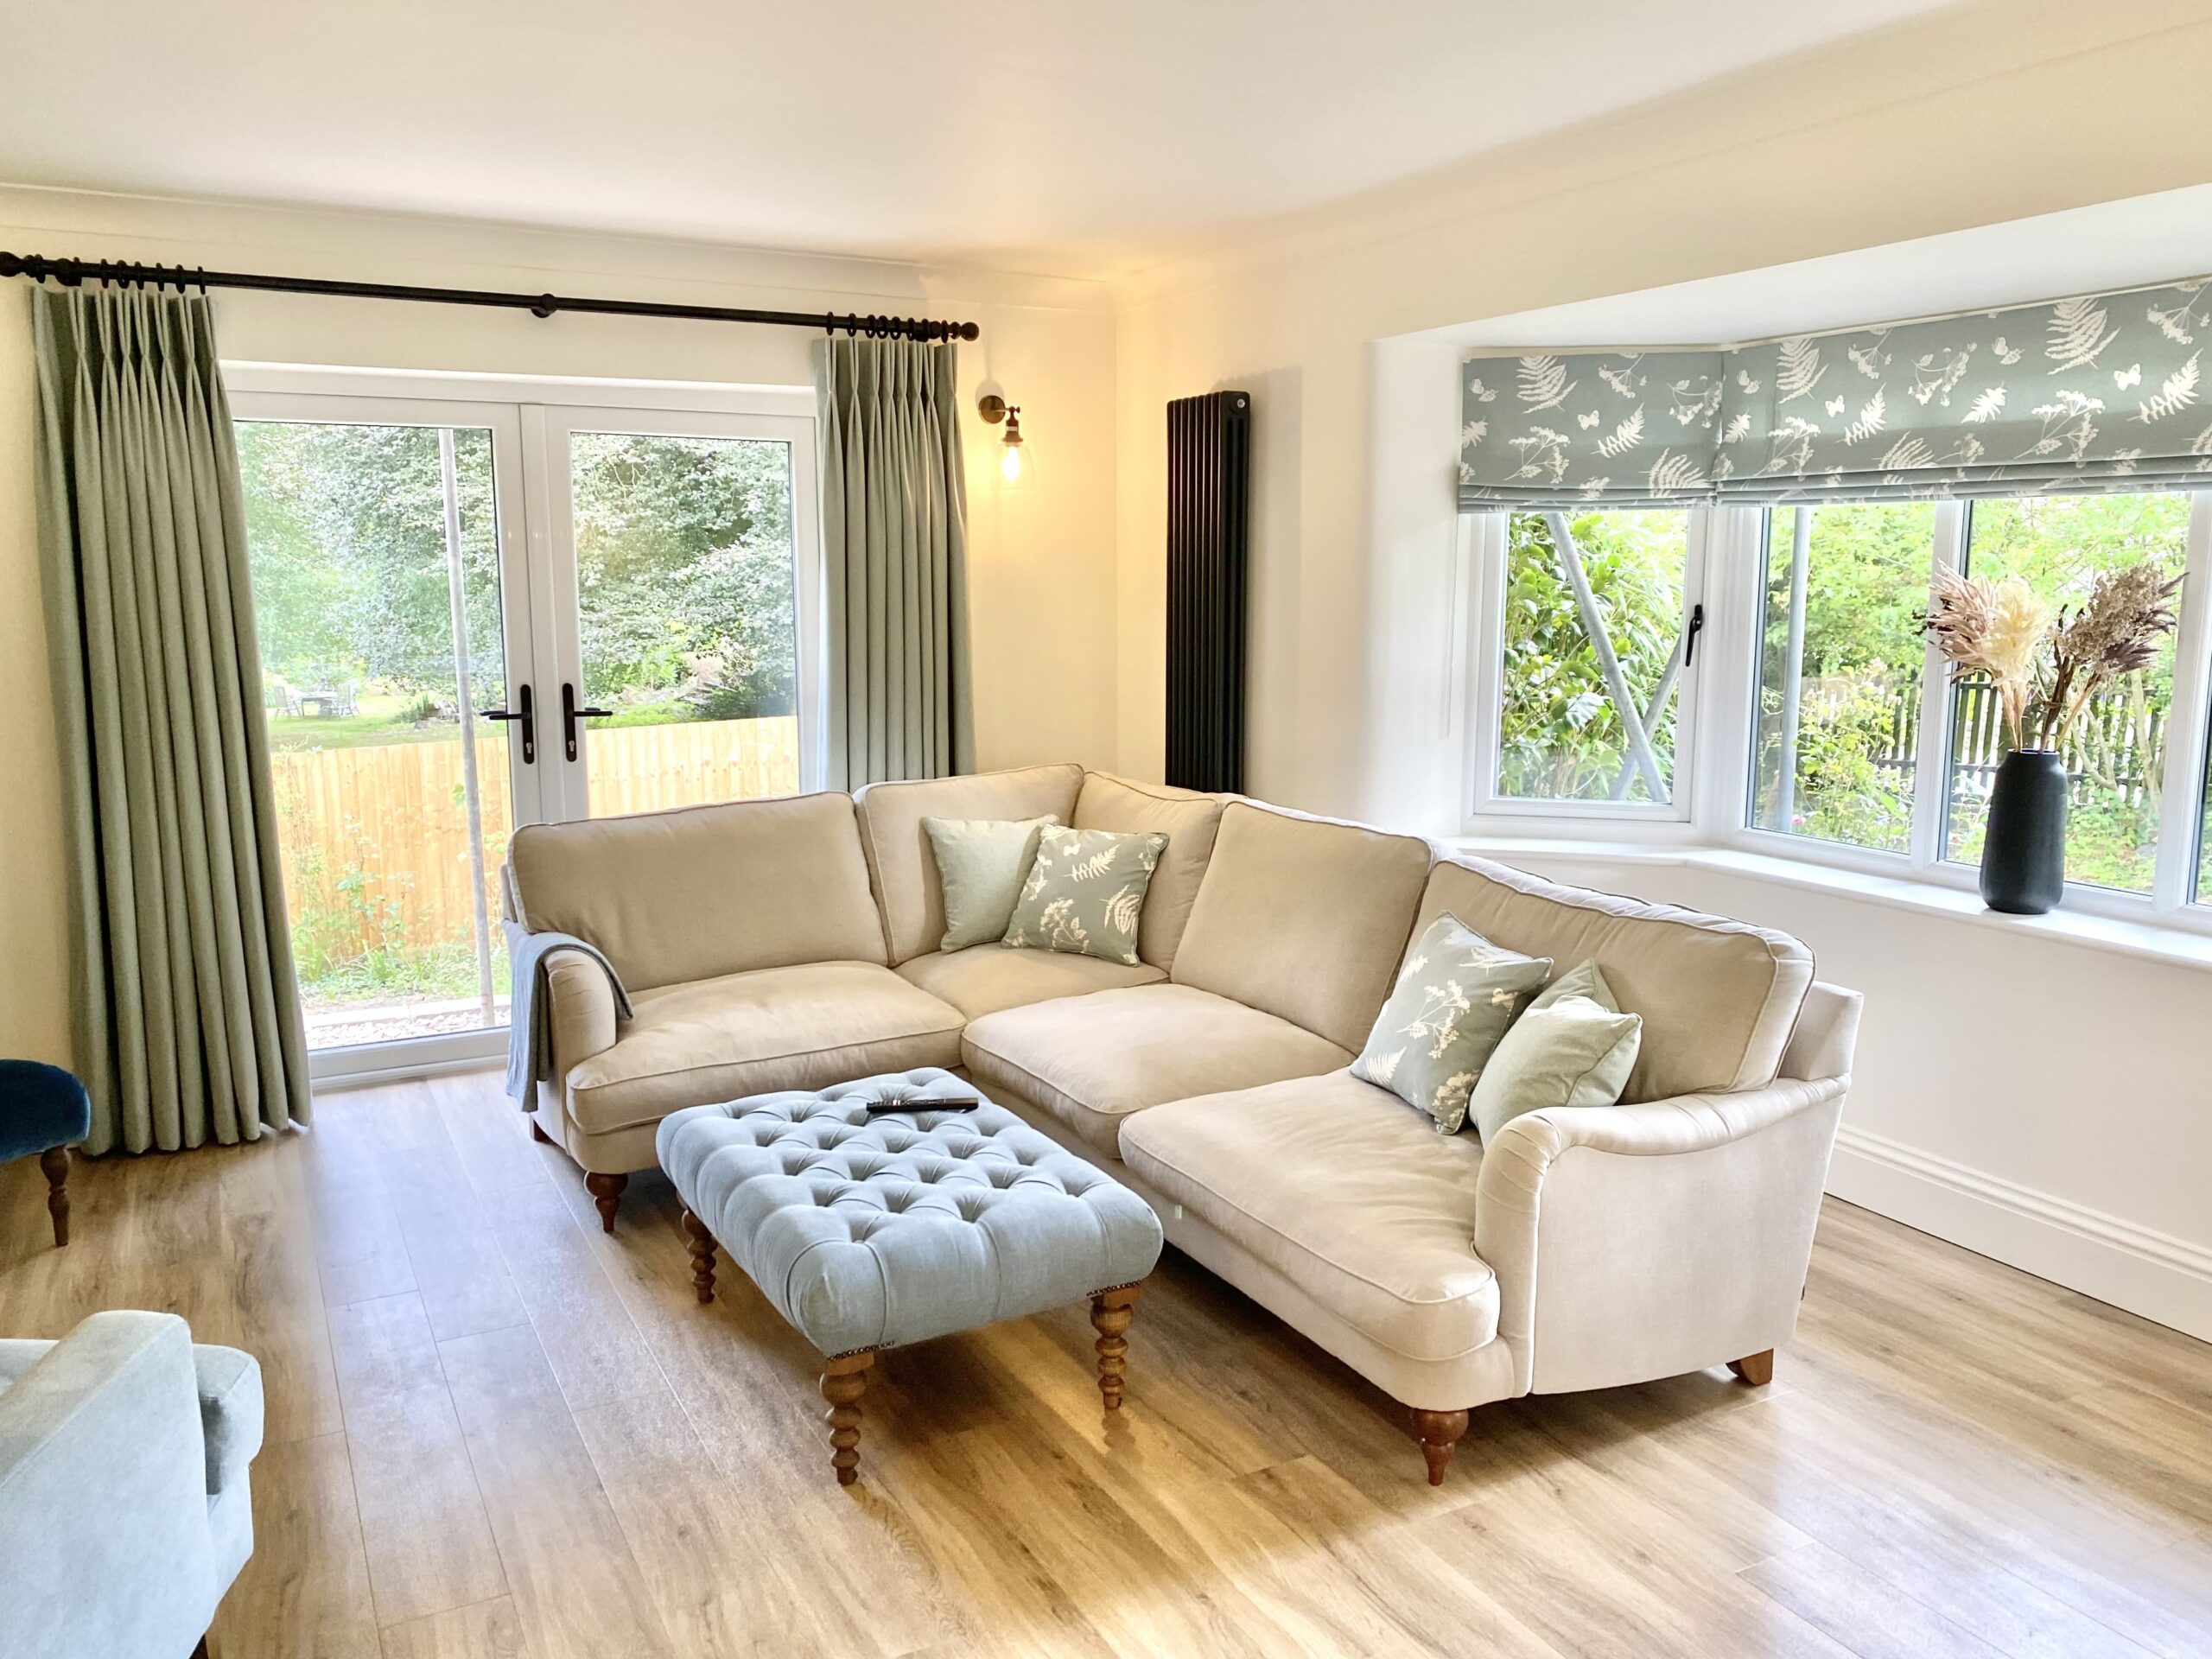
(375, 839)
(2114, 751)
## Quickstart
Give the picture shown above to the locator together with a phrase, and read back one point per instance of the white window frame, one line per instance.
(1484, 544)
(532, 417)
(1717, 724)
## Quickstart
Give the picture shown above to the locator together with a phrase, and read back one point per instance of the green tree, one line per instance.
(345, 526)
(1560, 736)
(684, 568)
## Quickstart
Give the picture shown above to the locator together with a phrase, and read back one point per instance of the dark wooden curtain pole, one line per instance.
(72, 272)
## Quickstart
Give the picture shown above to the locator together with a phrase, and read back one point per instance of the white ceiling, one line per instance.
(1082, 140)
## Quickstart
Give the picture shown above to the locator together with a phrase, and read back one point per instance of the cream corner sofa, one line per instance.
(791, 943)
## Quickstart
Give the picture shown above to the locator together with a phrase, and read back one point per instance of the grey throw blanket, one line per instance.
(530, 1011)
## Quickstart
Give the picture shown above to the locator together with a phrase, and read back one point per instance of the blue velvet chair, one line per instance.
(44, 1111)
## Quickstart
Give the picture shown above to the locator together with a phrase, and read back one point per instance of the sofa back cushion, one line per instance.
(1718, 998)
(673, 897)
(900, 862)
(1304, 917)
(1187, 818)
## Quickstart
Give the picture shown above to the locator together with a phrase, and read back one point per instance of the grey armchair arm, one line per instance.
(125, 1511)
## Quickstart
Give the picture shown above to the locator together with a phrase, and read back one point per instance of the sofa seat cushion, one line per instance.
(1337, 1187)
(800, 1027)
(985, 978)
(1091, 1061)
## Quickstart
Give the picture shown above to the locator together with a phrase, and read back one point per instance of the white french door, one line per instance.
(677, 604)
(478, 611)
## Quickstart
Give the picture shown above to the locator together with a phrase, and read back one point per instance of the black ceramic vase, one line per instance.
(2023, 854)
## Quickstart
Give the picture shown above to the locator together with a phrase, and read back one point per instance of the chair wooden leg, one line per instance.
(1439, 1432)
(606, 1193)
(1758, 1369)
(1110, 1314)
(55, 1162)
(702, 1256)
(537, 1134)
(843, 1382)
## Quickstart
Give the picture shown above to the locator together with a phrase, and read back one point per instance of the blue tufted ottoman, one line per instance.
(868, 1228)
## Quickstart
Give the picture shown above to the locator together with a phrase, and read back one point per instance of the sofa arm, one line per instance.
(583, 1008)
(104, 1482)
(1639, 1242)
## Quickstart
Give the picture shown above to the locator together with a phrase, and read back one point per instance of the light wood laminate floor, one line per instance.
(493, 1431)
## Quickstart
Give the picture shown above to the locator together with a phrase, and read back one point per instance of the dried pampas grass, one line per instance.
(2000, 629)
(1997, 629)
(2117, 632)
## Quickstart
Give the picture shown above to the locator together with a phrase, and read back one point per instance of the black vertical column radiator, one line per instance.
(1209, 450)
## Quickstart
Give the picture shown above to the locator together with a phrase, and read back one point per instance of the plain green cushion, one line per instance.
(980, 865)
(1456, 995)
(1573, 1047)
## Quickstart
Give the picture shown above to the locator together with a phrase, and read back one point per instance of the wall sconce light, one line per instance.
(994, 408)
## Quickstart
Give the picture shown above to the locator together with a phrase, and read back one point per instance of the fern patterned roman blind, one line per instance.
(2094, 393)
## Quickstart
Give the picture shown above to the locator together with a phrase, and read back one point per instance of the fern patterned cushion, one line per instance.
(1455, 997)
(1084, 895)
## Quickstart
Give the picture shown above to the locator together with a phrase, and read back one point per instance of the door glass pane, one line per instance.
(1840, 658)
(2115, 750)
(380, 633)
(687, 607)
(1561, 731)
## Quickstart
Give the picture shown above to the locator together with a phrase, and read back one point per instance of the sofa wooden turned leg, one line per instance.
(843, 1382)
(55, 1163)
(1758, 1369)
(539, 1135)
(1439, 1432)
(702, 1256)
(606, 1193)
(1110, 1314)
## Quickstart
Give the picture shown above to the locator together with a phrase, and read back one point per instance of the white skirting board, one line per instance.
(2158, 1277)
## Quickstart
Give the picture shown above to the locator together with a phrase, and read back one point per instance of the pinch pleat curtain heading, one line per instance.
(2095, 393)
(188, 1019)
(894, 538)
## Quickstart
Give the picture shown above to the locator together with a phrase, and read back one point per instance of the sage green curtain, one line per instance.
(187, 1018)
(894, 508)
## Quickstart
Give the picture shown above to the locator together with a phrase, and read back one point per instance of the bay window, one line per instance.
(1805, 492)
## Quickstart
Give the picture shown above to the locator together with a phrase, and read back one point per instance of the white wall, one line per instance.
(2049, 1101)
(1041, 554)
(1983, 114)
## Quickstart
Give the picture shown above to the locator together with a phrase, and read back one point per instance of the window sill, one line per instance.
(2149, 940)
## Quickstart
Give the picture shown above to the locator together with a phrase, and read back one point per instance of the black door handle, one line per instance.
(1689, 640)
(528, 714)
(570, 714)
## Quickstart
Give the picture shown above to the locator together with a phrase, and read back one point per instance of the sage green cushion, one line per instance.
(1084, 893)
(1573, 1047)
(1584, 979)
(980, 865)
(1456, 995)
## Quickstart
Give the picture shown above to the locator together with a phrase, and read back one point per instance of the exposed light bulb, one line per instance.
(1010, 463)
